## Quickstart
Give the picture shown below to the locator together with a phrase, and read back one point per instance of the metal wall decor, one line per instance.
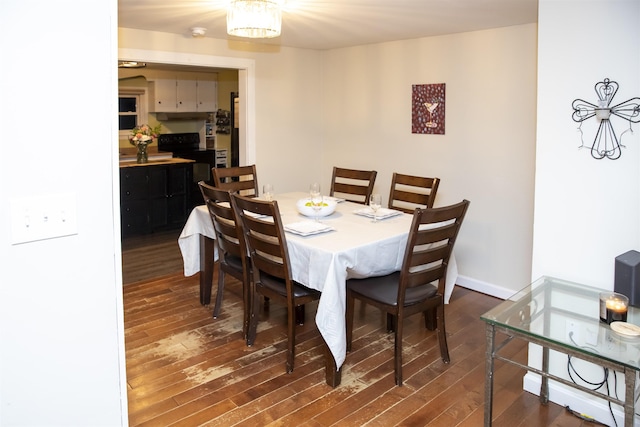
(606, 143)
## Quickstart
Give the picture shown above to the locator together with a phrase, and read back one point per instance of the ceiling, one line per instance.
(331, 24)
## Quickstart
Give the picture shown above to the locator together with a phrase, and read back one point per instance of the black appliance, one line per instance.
(627, 276)
(187, 146)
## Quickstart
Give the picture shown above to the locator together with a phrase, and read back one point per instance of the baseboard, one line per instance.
(566, 396)
(484, 287)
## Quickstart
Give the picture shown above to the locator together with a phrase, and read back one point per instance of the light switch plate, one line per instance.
(43, 217)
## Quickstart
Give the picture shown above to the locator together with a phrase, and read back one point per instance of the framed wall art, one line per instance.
(427, 108)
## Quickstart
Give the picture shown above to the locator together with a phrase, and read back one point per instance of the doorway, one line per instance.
(246, 87)
(242, 138)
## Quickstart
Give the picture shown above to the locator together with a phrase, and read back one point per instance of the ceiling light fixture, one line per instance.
(131, 64)
(256, 19)
(198, 32)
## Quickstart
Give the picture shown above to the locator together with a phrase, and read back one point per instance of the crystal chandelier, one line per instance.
(254, 18)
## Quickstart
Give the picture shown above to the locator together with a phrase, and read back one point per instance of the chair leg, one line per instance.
(291, 339)
(216, 308)
(300, 314)
(391, 323)
(349, 318)
(246, 306)
(253, 317)
(206, 269)
(430, 319)
(398, 350)
(442, 334)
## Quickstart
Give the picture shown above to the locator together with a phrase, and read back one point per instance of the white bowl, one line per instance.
(304, 207)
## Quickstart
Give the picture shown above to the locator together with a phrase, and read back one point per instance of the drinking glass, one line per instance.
(314, 189)
(316, 203)
(267, 192)
(375, 203)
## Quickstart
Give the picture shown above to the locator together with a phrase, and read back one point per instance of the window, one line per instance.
(128, 111)
(132, 109)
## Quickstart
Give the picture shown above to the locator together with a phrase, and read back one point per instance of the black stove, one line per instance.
(179, 142)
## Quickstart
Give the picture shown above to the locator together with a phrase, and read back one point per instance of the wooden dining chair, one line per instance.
(240, 179)
(409, 192)
(269, 256)
(353, 185)
(232, 252)
(419, 286)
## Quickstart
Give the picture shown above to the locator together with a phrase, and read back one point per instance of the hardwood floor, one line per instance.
(149, 256)
(185, 368)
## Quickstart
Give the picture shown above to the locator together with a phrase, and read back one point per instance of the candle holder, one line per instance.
(613, 307)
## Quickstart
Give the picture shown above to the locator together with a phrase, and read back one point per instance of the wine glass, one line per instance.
(375, 203)
(267, 192)
(316, 203)
(316, 198)
(314, 189)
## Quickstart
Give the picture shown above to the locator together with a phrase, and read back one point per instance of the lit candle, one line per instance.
(613, 307)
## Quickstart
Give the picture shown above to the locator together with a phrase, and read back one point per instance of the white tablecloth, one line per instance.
(199, 223)
(357, 248)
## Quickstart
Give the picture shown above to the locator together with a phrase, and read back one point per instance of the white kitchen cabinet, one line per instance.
(207, 96)
(163, 96)
(187, 96)
(183, 96)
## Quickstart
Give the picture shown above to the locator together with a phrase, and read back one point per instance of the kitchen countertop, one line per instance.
(153, 162)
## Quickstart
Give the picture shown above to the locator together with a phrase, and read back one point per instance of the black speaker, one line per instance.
(627, 276)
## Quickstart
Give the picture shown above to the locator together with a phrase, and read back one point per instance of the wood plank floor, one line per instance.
(185, 368)
(149, 256)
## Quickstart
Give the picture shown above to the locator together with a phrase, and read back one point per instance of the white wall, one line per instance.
(62, 356)
(486, 154)
(587, 211)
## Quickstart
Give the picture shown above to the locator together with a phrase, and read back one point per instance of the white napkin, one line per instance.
(334, 199)
(381, 214)
(307, 228)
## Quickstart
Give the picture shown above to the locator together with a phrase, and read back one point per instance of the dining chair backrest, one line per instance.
(409, 192)
(352, 184)
(228, 232)
(432, 236)
(264, 236)
(240, 179)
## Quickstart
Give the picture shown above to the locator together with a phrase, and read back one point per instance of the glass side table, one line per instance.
(562, 316)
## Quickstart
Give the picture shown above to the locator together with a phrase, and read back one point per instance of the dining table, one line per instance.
(354, 247)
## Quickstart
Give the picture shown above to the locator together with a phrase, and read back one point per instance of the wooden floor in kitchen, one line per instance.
(150, 256)
(185, 368)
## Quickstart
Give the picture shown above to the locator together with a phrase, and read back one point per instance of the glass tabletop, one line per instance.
(567, 314)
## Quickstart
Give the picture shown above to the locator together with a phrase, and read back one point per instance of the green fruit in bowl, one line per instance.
(309, 204)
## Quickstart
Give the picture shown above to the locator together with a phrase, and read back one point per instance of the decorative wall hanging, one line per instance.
(427, 109)
(606, 142)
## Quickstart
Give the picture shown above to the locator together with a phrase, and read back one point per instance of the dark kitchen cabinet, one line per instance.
(154, 198)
